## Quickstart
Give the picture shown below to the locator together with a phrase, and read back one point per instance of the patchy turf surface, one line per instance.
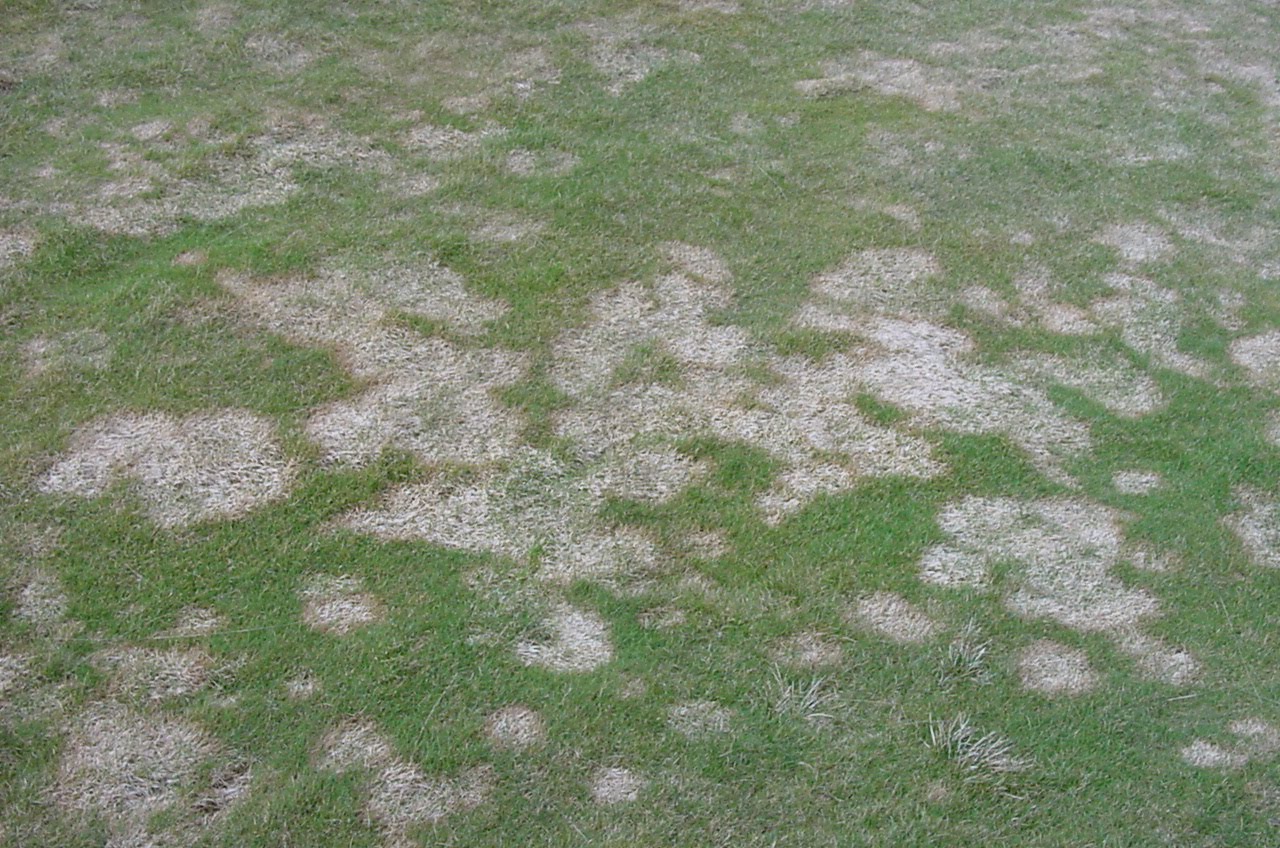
(713, 422)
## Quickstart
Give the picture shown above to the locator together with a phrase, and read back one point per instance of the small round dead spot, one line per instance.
(356, 743)
(41, 602)
(1157, 661)
(1260, 356)
(635, 687)
(1258, 736)
(707, 544)
(196, 621)
(112, 97)
(151, 130)
(809, 649)
(615, 785)
(1203, 754)
(699, 718)
(338, 605)
(190, 258)
(1136, 482)
(16, 245)
(579, 642)
(1051, 668)
(894, 617)
(516, 727)
(301, 687)
(938, 792)
(662, 618)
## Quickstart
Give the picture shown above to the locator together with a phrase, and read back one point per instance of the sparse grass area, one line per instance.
(705, 422)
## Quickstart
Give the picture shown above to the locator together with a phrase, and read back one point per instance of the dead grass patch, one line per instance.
(895, 618)
(13, 669)
(155, 675)
(925, 86)
(77, 350)
(515, 727)
(809, 649)
(1257, 525)
(579, 642)
(545, 163)
(1052, 668)
(210, 465)
(338, 605)
(1255, 739)
(126, 765)
(42, 603)
(623, 53)
(1111, 381)
(1259, 355)
(447, 143)
(1135, 482)
(616, 785)
(1137, 242)
(16, 245)
(697, 719)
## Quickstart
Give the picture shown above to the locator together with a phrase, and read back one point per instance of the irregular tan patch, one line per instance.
(87, 350)
(622, 52)
(41, 602)
(548, 163)
(1137, 243)
(127, 765)
(1111, 381)
(1257, 525)
(197, 621)
(1202, 754)
(724, 7)
(191, 259)
(210, 465)
(338, 605)
(16, 245)
(805, 418)
(1134, 482)
(579, 642)
(616, 785)
(401, 796)
(278, 55)
(875, 281)
(426, 395)
(1052, 668)
(1149, 318)
(1064, 549)
(699, 718)
(516, 727)
(927, 87)
(13, 669)
(448, 143)
(809, 649)
(506, 229)
(895, 618)
(155, 675)
(708, 544)
(1260, 356)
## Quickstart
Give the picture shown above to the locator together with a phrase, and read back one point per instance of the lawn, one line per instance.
(684, 423)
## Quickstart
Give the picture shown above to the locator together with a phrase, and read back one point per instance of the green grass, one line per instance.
(1065, 126)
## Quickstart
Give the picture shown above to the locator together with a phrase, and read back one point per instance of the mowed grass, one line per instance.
(547, 154)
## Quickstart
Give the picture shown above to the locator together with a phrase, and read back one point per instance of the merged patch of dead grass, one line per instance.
(579, 642)
(930, 88)
(210, 465)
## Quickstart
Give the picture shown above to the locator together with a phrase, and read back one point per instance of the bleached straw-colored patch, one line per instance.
(1257, 525)
(401, 796)
(197, 621)
(123, 764)
(1149, 319)
(1135, 482)
(1137, 242)
(895, 618)
(927, 87)
(15, 245)
(88, 350)
(707, 544)
(1257, 736)
(622, 52)
(805, 419)
(301, 686)
(875, 281)
(1064, 550)
(547, 163)
(506, 229)
(1115, 383)
(1052, 668)
(191, 259)
(41, 602)
(1260, 356)
(579, 642)
(338, 605)
(425, 395)
(615, 785)
(699, 718)
(537, 502)
(155, 675)
(210, 465)
(516, 727)
(278, 55)
(809, 649)
(12, 671)
(447, 143)
(1202, 754)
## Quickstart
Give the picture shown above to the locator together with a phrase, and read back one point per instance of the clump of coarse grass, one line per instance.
(809, 699)
(984, 757)
(966, 657)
